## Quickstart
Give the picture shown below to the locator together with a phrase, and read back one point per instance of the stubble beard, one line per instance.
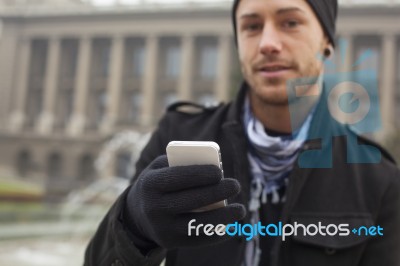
(274, 91)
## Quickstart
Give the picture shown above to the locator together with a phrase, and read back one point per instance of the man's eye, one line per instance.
(253, 27)
(291, 24)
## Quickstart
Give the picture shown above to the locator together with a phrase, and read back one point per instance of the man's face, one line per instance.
(278, 40)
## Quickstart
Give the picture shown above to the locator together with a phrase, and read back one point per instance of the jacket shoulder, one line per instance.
(186, 107)
(368, 141)
(192, 121)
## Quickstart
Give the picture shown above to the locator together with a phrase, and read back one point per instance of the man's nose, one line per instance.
(270, 42)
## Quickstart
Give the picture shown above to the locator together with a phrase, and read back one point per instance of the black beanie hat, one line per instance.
(326, 11)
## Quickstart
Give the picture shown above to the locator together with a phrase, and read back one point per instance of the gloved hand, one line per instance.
(161, 202)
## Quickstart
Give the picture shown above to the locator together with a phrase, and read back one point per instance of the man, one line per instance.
(264, 179)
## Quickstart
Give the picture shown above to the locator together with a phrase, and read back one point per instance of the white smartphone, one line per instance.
(184, 153)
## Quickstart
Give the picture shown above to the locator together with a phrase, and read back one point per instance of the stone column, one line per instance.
(223, 67)
(149, 81)
(387, 85)
(50, 86)
(18, 115)
(77, 122)
(346, 65)
(186, 77)
(114, 83)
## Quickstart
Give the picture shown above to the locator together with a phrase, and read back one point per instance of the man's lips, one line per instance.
(273, 70)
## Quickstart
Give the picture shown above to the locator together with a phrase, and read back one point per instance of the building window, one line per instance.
(135, 106)
(23, 163)
(105, 60)
(101, 57)
(37, 71)
(69, 58)
(135, 56)
(34, 105)
(131, 107)
(67, 104)
(370, 62)
(367, 55)
(124, 166)
(208, 61)
(168, 98)
(65, 107)
(86, 168)
(138, 57)
(54, 166)
(172, 61)
(38, 59)
(96, 108)
(206, 98)
(101, 105)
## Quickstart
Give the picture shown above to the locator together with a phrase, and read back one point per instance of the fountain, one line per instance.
(80, 214)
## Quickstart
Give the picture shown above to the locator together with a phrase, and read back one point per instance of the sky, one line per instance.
(111, 2)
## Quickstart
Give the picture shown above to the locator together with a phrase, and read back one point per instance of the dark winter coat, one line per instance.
(360, 194)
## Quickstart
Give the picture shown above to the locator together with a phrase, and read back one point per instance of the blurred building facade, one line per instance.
(74, 76)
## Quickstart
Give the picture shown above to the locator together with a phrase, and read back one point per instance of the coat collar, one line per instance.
(236, 107)
(323, 125)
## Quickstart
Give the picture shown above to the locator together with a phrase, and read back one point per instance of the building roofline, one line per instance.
(149, 8)
(157, 8)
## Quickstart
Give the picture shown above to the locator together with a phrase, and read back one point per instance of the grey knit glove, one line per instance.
(160, 204)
